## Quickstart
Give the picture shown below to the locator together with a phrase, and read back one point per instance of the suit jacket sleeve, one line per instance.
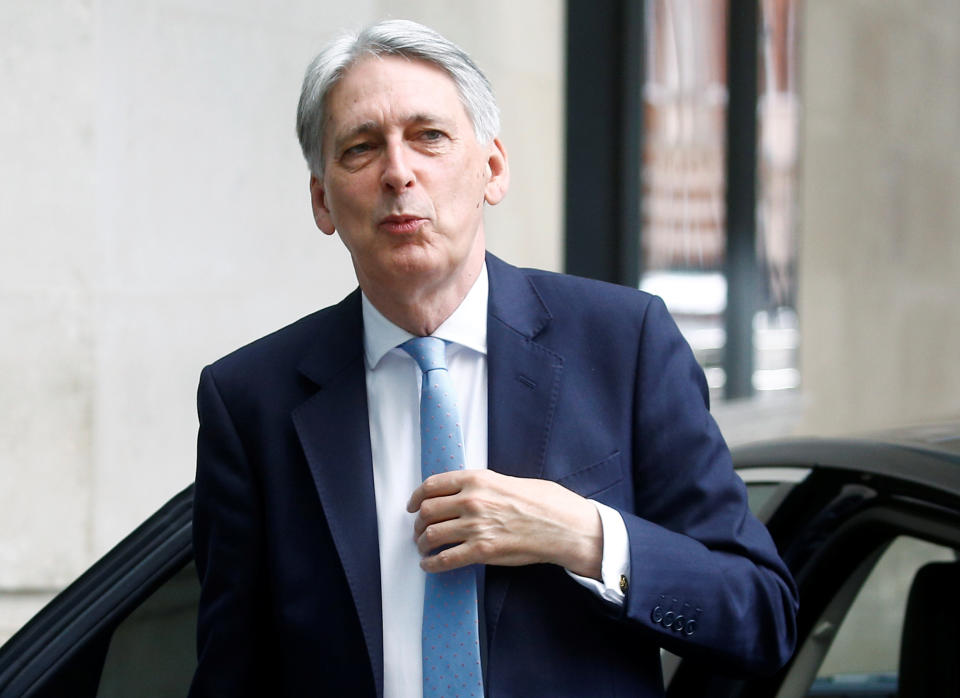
(227, 542)
(705, 574)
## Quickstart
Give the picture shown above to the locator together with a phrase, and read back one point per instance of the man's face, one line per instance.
(405, 178)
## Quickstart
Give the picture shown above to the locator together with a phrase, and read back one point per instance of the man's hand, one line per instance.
(494, 519)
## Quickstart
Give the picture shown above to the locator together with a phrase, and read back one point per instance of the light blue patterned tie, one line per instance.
(451, 650)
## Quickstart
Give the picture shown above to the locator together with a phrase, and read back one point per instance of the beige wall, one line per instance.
(880, 207)
(154, 215)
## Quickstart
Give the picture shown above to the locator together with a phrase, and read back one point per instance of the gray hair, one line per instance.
(396, 37)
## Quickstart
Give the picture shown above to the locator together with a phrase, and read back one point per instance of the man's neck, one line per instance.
(422, 310)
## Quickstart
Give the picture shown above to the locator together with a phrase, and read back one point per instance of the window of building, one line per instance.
(684, 234)
(674, 108)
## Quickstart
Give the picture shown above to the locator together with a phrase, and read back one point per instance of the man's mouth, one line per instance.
(401, 224)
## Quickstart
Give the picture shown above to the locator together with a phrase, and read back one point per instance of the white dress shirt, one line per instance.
(393, 398)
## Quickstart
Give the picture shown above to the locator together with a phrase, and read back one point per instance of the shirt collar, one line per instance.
(466, 326)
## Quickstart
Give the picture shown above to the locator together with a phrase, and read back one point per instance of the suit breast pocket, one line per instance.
(598, 480)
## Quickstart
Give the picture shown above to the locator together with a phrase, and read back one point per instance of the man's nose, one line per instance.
(397, 173)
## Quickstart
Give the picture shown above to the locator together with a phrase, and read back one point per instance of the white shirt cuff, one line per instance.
(615, 562)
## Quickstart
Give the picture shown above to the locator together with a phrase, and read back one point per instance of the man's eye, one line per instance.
(358, 149)
(431, 135)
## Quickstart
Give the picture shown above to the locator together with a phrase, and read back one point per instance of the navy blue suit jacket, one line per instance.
(590, 385)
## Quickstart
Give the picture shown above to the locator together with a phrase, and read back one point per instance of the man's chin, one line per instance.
(411, 272)
(413, 268)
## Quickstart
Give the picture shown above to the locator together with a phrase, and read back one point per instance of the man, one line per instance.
(597, 517)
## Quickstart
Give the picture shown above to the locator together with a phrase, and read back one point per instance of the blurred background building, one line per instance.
(683, 231)
(154, 215)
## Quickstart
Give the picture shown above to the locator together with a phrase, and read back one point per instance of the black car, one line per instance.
(870, 528)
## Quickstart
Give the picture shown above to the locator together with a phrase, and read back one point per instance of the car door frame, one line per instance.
(64, 646)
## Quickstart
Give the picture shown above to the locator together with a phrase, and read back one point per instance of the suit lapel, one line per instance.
(522, 388)
(333, 427)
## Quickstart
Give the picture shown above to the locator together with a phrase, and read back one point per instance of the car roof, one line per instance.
(942, 436)
(926, 455)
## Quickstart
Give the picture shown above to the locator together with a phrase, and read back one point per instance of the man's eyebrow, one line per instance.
(354, 131)
(368, 127)
(373, 126)
(427, 118)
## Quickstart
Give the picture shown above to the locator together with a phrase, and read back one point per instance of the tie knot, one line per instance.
(430, 353)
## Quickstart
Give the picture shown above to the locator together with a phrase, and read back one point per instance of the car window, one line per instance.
(152, 653)
(758, 494)
(863, 652)
(767, 487)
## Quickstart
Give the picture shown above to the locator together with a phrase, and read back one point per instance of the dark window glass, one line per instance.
(152, 653)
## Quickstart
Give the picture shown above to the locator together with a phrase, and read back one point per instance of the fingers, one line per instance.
(440, 485)
(457, 508)
(449, 524)
(437, 535)
(448, 559)
(434, 510)
(450, 544)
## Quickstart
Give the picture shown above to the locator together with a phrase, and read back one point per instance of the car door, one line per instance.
(126, 627)
(859, 529)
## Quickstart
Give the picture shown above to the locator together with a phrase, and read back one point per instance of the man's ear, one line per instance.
(499, 174)
(321, 214)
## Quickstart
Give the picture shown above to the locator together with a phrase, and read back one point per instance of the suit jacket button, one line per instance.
(668, 619)
(657, 614)
(690, 628)
(678, 623)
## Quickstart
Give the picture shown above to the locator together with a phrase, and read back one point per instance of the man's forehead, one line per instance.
(388, 67)
(405, 91)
